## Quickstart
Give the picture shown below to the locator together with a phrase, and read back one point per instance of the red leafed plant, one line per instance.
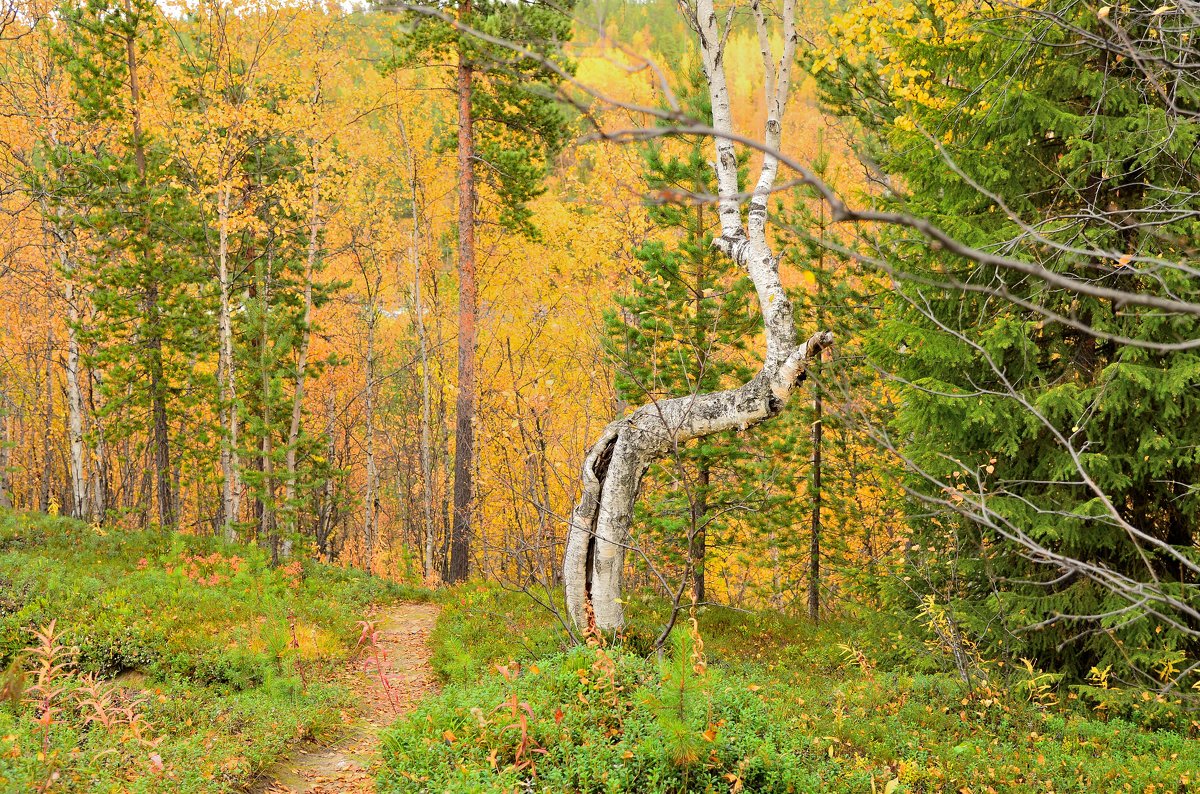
(368, 642)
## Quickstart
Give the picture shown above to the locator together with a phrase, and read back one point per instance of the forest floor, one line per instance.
(388, 677)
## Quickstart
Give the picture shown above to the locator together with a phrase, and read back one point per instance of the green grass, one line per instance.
(860, 705)
(197, 630)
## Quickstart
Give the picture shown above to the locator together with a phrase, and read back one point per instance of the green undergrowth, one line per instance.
(762, 703)
(175, 663)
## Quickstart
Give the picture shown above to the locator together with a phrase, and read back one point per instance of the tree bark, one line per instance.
(814, 550)
(154, 338)
(599, 528)
(700, 532)
(464, 439)
(372, 486)
(75, 408)
(5, 452)
(310, 263)
(48, 429)
(230, 478)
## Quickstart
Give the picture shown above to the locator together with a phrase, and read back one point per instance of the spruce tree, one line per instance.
(1006, 407)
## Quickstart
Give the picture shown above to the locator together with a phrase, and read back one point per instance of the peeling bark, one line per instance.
(599, 528)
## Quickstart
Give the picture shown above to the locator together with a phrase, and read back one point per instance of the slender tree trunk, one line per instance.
(464, 439)
(370, 495)
(310, 264)
(153, 324)
(230, 477)
(700, 531)
(425, 454)
(75, 408)
(6, 451)
(267, 527)
(48, 428)
(101, 485)
(814, 550)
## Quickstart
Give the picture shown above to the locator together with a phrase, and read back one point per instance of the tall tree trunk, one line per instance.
(78, 470)
(231, 486)
(310, 264)
(700, 530)
(101, 485)
(5, 451)
(370, 495)
(599, 529)
(153, 324)
(464, 439)
(267, 526)
(814, 549)
(48, 428)
(425, 453)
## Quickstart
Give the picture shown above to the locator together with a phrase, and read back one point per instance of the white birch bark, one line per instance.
(372, 485)
(230, 467)
(5, 450)
(599, 528)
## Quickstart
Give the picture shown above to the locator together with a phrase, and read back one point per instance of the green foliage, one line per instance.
(1004, 409)
(519, 125)
(682, 329)
(130, 232)
(196, 630)
(771, 705)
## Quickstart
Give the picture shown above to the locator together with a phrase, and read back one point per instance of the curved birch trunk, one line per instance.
(599, 529)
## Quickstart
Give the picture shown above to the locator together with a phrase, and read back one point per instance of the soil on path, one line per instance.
(347, 766)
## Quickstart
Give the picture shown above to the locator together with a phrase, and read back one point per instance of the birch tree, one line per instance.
(599, 527)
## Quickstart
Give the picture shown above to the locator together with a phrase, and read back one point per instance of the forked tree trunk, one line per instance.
(599, 529)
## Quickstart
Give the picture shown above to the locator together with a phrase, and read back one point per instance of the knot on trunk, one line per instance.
(734, 246)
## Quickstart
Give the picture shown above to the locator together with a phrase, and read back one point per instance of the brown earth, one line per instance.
(347, 766)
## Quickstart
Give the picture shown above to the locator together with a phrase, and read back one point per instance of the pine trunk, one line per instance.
(310, 264)
(464, 439)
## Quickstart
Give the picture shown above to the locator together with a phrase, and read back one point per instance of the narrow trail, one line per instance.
(347, 766)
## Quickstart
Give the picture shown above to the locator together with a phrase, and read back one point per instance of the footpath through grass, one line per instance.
(759, 703)
(197, 665)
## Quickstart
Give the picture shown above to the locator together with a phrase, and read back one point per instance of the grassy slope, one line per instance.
(781, 706)
(203, 627)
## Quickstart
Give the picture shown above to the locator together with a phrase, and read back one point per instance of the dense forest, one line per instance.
(599, 396)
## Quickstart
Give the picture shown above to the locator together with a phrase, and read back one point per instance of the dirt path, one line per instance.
(346, 767)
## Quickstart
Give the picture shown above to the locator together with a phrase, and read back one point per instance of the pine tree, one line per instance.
(510, 127)
(124, 193)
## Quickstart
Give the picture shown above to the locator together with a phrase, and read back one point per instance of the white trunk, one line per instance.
(61, 237)
(5, 451)
(230, 484)
(599, 529)
(75, 409)
(369, 517)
